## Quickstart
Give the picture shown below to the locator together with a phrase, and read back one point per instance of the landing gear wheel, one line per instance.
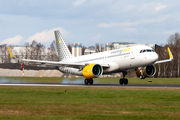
(125, 81)
(91, 81)
(142, 77)
(121, 81)
(86, 81)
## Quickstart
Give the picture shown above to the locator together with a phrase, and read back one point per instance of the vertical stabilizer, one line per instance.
(62, 48)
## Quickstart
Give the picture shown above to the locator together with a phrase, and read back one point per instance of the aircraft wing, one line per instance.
(61, 64)
(168, 60)
(53, 63)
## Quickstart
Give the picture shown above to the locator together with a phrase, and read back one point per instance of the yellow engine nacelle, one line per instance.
(92, 71)
(148, 71)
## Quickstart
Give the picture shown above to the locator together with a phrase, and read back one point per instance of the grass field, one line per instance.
(22, 103)
(81, 80)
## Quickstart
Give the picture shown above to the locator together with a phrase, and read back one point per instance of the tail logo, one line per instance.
(62, 48)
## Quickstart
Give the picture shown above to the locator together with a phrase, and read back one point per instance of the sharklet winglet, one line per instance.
(170, 54)
(9, 52)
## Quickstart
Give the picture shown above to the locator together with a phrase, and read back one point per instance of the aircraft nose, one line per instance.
(154, 57)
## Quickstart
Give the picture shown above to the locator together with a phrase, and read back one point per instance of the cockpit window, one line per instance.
(146, 50)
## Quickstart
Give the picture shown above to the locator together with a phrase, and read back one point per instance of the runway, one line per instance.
(164, 86)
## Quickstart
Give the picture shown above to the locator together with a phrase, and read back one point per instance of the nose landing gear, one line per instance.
(142, 77)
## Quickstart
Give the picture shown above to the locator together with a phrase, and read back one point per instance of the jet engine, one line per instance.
(92, 71)
(148, 71)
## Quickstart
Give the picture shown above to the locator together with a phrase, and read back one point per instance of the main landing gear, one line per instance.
(123, 80)
(88, 81)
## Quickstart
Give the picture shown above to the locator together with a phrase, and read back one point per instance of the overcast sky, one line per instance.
(89, 21)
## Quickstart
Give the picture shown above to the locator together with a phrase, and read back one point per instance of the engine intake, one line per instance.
(148, 71)
(92, 71)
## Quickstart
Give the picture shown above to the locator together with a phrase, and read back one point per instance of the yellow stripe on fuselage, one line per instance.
(9, 52)
(126, 49)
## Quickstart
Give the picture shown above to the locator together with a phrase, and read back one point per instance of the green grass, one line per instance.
(141, 81)
(22, 103)
(96, 80)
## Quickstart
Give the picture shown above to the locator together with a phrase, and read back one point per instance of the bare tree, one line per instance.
(177, 39)
(4, 53)
(162, 53)
(2, 50)
(83, 49)
(91, 47)
(27, 50)
(69, 47)
(97, 47)
(174, 43)
(33, 50)
(39, 51)
(102, 47)
(52, 54)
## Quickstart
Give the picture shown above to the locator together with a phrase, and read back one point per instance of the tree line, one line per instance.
(35, 50)
(169, 69)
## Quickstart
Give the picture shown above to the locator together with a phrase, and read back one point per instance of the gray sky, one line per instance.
(89, 21)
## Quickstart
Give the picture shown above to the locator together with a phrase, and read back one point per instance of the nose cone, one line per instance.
(154, 57)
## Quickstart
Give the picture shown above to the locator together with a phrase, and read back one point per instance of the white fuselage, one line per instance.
(118, 60)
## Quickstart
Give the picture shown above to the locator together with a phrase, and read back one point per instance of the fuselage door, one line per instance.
(105, 58)
(132, 54)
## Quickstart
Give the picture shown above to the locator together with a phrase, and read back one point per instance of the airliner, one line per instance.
(141, 58)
